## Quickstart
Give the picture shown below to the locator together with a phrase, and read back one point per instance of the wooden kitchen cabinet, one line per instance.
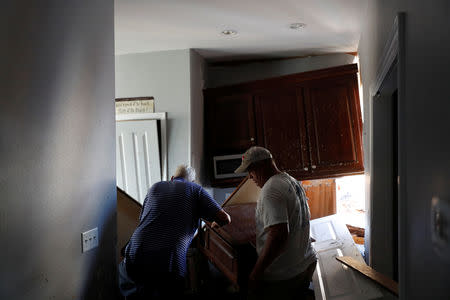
(334, 125)
(311, 122)
(230, 123)
(280, 119)
(321, 196)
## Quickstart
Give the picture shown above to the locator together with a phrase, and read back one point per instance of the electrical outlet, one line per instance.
(89, 239)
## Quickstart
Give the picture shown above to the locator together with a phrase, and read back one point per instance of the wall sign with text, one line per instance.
(135, 105)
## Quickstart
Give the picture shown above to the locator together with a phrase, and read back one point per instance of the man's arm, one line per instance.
(276, 241)
(211, 211)
(222, 218)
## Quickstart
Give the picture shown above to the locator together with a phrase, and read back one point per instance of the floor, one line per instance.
(216, 286)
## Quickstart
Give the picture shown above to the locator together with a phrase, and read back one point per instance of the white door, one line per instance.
(138, 163)
(332, 280)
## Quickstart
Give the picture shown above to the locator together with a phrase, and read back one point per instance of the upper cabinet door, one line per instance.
(334, 125)
(280, 119)
(230, 123)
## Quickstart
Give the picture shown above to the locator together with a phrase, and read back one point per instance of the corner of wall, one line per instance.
(197, 76)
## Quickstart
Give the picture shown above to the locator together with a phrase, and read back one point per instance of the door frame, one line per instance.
(393, 58)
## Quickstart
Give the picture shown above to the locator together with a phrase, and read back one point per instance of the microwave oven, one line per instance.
(225, 165)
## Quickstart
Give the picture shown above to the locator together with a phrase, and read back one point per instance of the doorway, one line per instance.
(384, 176)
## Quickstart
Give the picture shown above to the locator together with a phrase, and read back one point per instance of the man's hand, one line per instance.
(222, 218)
(254, 281)
(215, 225)
(273, 247)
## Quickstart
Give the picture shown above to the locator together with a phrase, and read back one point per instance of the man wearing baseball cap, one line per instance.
(286, 260)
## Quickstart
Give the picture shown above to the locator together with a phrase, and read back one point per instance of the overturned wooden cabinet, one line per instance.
(231, 248)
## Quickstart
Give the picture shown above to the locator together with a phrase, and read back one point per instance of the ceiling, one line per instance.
(332, 26)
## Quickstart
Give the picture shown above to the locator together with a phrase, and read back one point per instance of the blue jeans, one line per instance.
(149, 285)
(126, 285)
(294, 288)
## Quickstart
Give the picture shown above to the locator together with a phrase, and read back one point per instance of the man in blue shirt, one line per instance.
(154, 264)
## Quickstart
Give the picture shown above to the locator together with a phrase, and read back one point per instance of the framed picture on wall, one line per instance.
(136, 105)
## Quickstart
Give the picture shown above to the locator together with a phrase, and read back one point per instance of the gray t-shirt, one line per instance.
(283, 200)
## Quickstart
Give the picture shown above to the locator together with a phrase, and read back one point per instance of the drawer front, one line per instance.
(223, 252)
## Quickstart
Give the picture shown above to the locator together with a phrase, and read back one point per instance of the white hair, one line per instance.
(186, 172)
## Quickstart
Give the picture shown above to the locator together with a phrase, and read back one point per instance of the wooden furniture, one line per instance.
(311, 122)
(367, 271)
(128, 211)
(357, 234)
(231, 119)
(231, 248)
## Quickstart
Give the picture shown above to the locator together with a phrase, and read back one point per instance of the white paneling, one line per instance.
(120, 153)
(138, 157)
(333, 280)
(329, 229)
(161, 117)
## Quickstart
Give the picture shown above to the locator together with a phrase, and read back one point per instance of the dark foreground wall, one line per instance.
(57, 141)
(424, 106)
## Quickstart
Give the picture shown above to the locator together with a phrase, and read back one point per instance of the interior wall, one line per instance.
(424, 267)
(238, 73)
(197, 72)
(57, 149)
(165, 75)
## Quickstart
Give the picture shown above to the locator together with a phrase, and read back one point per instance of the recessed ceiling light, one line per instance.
(297, 25)
(229, 32)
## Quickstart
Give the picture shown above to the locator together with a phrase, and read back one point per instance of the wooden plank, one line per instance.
(246, 192)
(358, 231)
(128, 211)
(381, 279)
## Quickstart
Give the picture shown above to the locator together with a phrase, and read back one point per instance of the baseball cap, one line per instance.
(252, 155)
